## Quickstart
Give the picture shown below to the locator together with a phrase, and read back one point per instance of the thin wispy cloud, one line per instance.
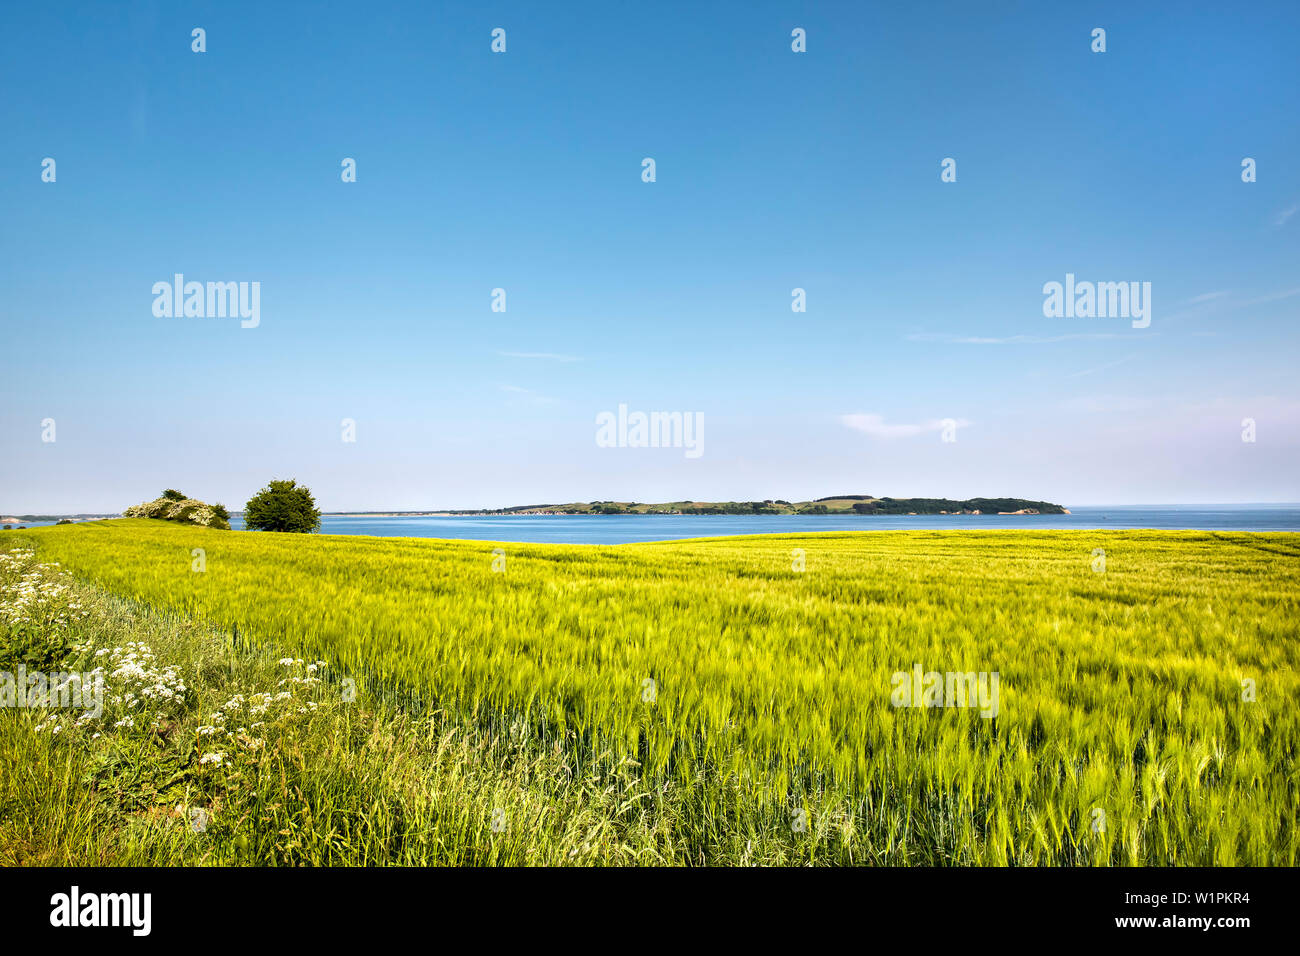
(1271, 407)
(1281, 218)
(1201, 306)
(547, 356)
(1008, 339)
(1274, 297)
(1100, 368)
(875, 425)
(1206, 297)
(1209, 302)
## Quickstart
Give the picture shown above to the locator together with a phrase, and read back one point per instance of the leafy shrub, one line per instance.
(183, 510)
(282, 506)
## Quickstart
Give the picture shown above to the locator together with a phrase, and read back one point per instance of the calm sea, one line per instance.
(621, 529)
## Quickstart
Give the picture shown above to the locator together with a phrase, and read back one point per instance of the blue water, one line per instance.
(622, 529)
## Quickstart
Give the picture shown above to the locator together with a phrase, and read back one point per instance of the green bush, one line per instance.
(282, 506)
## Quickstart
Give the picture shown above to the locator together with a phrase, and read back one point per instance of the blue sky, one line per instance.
(774, 170)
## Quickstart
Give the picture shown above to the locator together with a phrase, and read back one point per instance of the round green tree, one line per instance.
(282, 506)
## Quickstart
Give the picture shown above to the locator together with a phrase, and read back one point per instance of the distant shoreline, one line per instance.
(650, 514)
(537, 511)
(835, 504)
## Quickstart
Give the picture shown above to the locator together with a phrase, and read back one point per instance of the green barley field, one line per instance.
(723, 700)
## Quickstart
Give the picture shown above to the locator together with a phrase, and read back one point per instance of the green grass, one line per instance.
(345, 784)
(770, 735)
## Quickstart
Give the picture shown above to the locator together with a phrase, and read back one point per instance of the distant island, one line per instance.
(834, 505)
(80, 516)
